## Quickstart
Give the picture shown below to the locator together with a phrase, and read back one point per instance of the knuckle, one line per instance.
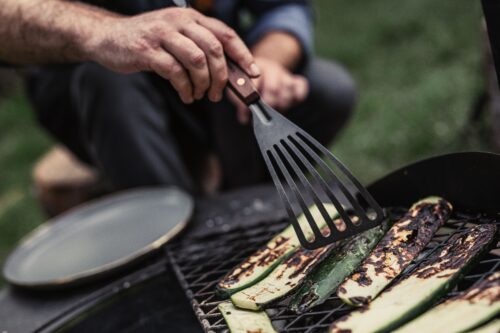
(141, 46)
(168, 34)
(215, 49)
(175, 70)
(228, 35)
(197, 59)
(154, 26)
(158, 28)
(185, 85)
(223, 79)
(221, 76)
(182, 86)
(152, 64)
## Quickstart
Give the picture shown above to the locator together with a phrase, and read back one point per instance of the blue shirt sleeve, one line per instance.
(294, 18)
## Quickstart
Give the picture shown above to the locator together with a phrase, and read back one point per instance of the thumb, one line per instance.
(301, 88)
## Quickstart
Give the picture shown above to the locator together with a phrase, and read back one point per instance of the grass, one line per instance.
(417, 64)
(21, 143)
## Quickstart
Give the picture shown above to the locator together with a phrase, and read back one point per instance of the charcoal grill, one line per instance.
(201, 262)
(199, 267)
(162, 294)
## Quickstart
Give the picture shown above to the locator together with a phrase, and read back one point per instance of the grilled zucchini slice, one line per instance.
(492, 327)
(265, 259)
(395, 251)
(325, 278)
(283, 279)
(244, 321)
(417, 291)
(461, 313)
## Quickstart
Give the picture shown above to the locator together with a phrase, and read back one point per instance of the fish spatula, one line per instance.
(291, 156)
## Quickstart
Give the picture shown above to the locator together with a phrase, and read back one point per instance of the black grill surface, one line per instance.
(200, 263)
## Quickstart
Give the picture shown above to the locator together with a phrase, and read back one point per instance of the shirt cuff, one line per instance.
(294, 19)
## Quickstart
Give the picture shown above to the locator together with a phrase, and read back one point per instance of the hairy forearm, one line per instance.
(290, 51)
(45, 31)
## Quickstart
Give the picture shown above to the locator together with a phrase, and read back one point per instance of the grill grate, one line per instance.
(200, 264)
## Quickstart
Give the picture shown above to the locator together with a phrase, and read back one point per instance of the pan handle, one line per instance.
(241, 84)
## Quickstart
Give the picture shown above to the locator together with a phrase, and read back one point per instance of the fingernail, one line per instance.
(254, 70)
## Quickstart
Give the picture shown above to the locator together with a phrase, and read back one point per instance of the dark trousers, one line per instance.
(137, 132)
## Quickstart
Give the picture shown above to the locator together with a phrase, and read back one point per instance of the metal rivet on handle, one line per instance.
(240, 81)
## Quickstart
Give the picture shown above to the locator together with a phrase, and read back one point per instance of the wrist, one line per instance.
(265, 60)
(269, 64)
(97, 38)
(290, 49)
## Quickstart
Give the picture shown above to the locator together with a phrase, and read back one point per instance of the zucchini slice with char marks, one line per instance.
(325, 278)
(244, 321)
(283, 279)
(265, 259)
(416, 292)
(491, 327)
(395, 251)
(461, 313)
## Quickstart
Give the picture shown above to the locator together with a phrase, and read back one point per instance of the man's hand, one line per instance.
(278, 87)
(181, 45)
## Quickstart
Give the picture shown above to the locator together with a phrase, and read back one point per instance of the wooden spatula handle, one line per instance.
(241, 84)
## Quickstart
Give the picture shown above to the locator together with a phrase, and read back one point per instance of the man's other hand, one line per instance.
(279, 88)
(180, 44)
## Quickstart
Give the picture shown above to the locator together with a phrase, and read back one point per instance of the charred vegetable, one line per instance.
(262, 262)
(282, 280)
(492, 327)
(395, 251)
(461, 313)
(325, 279)
(417, 291)
(244, 321)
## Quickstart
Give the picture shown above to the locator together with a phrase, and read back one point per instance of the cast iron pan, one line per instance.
(98, 238)
(470, 180)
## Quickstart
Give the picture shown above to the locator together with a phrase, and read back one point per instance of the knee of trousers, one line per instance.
(102, 96)
(332, 88)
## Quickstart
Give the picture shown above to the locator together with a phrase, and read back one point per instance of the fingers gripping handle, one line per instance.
(241, 84)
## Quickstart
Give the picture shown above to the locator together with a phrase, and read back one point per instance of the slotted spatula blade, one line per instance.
(291, 156)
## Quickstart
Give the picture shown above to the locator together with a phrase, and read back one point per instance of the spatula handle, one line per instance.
(241, 84)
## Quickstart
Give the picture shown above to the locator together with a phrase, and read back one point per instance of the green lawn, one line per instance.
(418, 68)
(21, 143)
(417, 64)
